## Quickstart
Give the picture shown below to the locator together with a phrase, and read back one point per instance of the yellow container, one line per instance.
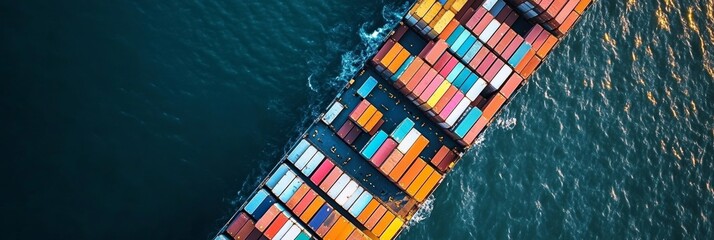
(441, 24)
(437, 94)
(392, 229)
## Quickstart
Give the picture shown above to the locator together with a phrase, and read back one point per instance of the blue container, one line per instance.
(263, 207)
(313, 164)
(273, 180)
(455, 72)
(472, 51)
(298, 150)
(290, 190)
(371, 148)
(367, 87)
(470, 41)
(461, 78)
(284, 182)
(496, 9)
(470, 81)
(320, 217)
(360, 204)
(402, 130)
(519, 54)
(460, 41)
(465, 125)
(455, 35)
(255, 201)
(401, 69)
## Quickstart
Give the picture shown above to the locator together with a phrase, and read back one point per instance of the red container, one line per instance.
(449, 66)
(491, 73)
(383, 152)
(305, 202)
(430, 76)
(246, 230)
(345, 129)
(512, 47)
(357, 112)
(416, 79)
(383, 51)
(399, 32)
(424, 96)
(321, 172)
(436, 51)
(237, 224)
(482, 24)
(448, 159)
(486, 64)
(503, 44)
(505, 12)
(511, 85)
(330, 179)
(479, 58)
(280, 220)
(352, 136)
(467, 16)
(443, 60)
(512, 18)
(498, 35)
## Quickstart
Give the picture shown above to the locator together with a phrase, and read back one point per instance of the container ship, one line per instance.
(363, 168)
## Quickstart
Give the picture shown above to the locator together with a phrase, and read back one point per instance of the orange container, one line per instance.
(409, 73)
(449, 29)
(511, 84)
(362, 120)
(391, 55)
(312, 209)
(445, 99)
(547, 46)
(409, 157)
(582, 5)
(383, 223)
(295, 199)
(376, 216)
(398, 61)
(357, 112)
(391, 162)
(400, 168)
(373, 121)
(419, 180)
(264, 221)
(367, 212)
(475, 131)
(337, 228)
(305, 202)
(531, 67)
(493, 106)
(428, 187)
(411, 174)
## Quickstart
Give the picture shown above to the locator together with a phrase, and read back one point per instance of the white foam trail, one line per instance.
(423, 213)
(507, 124)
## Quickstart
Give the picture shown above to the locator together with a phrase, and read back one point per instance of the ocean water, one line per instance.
(155, 119)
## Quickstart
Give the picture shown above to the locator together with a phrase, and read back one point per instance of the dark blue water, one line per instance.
(146, 119)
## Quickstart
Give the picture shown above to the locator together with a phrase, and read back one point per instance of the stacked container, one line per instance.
(384, 144)
(557, 16)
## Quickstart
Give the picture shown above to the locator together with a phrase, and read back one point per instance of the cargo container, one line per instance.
(363, 168)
